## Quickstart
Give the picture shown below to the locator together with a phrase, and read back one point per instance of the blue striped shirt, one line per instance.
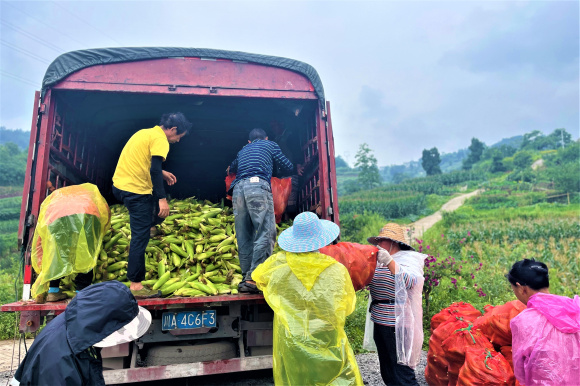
(258, 159)
(382, 287)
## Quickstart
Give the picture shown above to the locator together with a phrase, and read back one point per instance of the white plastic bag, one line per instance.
(409, 308)
(369, 338)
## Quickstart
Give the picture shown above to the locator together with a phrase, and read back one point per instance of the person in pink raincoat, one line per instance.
(546, 335)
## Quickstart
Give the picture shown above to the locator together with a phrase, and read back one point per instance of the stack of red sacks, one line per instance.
(281, 189)
(474, 353)
(360, 261)
(495, 324)
(461, 309)
(456, 345)
(443, 324)
(484, 367)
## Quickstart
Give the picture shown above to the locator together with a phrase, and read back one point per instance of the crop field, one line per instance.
(398, 205)
(476, 248)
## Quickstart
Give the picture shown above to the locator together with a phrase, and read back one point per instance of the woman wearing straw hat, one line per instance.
(311, 295)
(396, 307)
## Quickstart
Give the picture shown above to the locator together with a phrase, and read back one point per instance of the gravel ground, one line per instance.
(5, 377)
(369, 368)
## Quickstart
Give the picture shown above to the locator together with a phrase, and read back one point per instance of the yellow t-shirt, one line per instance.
(133, 172)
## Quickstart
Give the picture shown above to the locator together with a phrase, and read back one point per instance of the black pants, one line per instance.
(82, 281)
(392, 372)
(143, 214)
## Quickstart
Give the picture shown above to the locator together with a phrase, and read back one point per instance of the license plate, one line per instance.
(188, 319)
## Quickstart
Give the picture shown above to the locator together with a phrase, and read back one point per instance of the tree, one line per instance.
(431, 161)
(368, 176)
(475, 152)
(341, 163)
(522, 160)
(559, 138)
(531, 138)
(497, 163)
(13, 163)
(399, 177)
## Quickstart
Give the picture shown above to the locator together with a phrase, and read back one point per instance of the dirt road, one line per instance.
(419, 227)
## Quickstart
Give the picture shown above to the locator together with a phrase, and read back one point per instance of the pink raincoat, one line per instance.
(546, 341)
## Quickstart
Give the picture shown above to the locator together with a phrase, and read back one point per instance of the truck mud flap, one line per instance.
(185, 370)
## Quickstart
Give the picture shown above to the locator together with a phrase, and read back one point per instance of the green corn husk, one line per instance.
(195, 246)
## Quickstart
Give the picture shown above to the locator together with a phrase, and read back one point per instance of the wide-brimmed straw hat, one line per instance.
(129, 332)
(308, 233)
(393, 232)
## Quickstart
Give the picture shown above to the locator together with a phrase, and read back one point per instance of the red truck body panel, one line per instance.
(192, 76)
(73, 140)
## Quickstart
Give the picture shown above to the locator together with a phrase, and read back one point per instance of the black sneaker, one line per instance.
(146, 293)
(248, 288)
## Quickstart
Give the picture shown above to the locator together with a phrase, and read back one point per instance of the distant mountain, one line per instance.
(514, 142)
(19, 137)
(449, 162)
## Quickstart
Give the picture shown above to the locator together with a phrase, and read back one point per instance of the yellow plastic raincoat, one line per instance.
(69, 233)
(311, 295)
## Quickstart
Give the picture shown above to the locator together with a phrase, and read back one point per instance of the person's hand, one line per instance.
(169, 177)
(383, 257)
(299, 169)
(163, 208)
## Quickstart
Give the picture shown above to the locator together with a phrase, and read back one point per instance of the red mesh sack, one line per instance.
(506, 351)
(464, 310)
(436, 369)
(487, 308)
(281, 189)
(484, 367)
(496, 323)
(360, 261)
(457, 344)
(229, 179)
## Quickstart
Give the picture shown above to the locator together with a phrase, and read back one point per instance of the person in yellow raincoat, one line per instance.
(311, 295)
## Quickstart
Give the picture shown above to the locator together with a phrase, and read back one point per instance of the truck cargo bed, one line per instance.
(153, 304)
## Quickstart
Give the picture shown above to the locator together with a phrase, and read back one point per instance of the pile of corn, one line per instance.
(193, 254)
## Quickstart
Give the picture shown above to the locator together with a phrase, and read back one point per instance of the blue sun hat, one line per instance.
(308, 233)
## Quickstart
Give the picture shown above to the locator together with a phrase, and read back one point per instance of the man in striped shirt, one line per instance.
(253, 202)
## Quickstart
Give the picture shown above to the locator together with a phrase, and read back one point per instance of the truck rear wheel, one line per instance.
(170, 355)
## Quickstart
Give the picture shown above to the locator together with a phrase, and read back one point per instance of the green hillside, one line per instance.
(19, 137)
(530, 207)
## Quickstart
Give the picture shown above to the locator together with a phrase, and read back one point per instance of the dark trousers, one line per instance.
(82, 281)
(255, 223)
(143, 214)
(391, 372)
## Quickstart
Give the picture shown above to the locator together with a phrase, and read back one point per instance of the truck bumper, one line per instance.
(186, 370)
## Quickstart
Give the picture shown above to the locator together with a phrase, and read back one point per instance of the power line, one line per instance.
(20, 79)
(41, 22)
(25, 52)
(86, 22)
(29, 35)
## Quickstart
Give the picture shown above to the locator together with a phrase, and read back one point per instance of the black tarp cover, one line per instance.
(73, 61)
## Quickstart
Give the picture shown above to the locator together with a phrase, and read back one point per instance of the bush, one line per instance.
(357, 228)
(523, 159)
(506, 200)
(355, 322)
(566, 177)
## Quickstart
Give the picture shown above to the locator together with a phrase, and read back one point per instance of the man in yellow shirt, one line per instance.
(138, 183)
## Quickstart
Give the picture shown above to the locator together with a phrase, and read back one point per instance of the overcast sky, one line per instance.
(400, 75)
